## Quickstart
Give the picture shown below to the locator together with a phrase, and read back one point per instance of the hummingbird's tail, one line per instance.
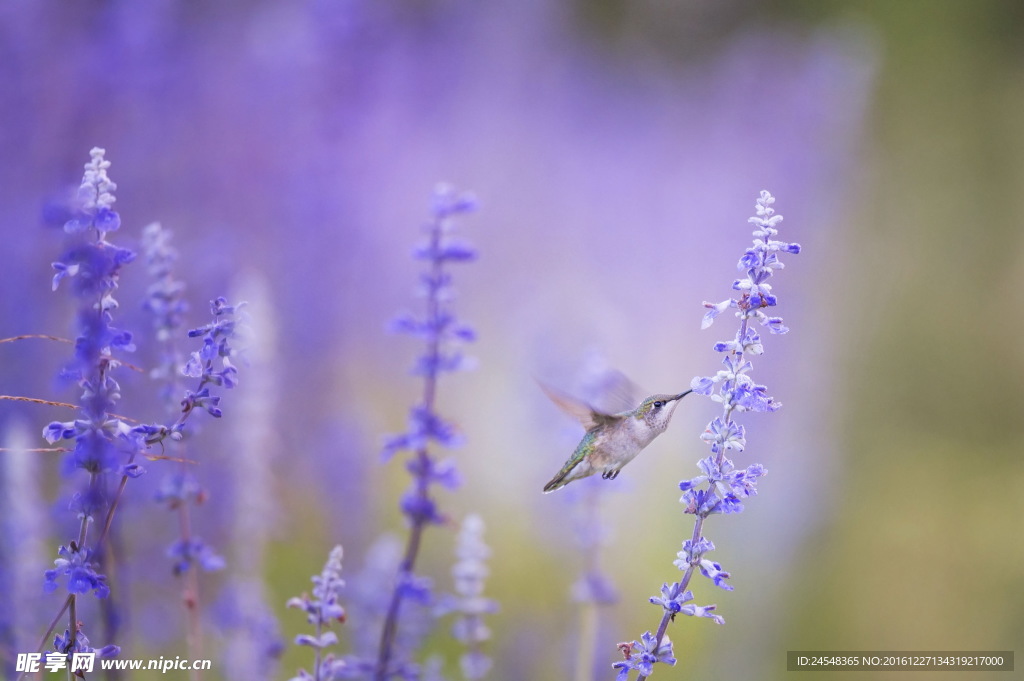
(562, 478)
(556, 482)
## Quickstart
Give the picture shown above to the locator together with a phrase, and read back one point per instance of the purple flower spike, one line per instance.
(721, 487)
(104, 445)
(443, 335)
(322, 610)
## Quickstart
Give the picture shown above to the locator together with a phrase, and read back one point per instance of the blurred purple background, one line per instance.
(292, 146)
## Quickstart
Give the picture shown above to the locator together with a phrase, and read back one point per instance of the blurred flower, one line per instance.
(179, 488)
(191, 551)
(164, 296)
(442, 333)
(165, 302)
(254, 637)
(440, 329)
(468, 602)
(368, 596)
(254, 642)
(611, 391)
(322, 610)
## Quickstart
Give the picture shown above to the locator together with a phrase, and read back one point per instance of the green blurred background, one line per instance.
(923, 548)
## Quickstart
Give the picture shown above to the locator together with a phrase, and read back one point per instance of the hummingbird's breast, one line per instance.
(616, 445)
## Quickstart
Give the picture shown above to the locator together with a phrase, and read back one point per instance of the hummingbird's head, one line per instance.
(656, 411)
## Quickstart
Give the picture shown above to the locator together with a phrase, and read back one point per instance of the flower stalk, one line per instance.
(441, 331)
(722, 487)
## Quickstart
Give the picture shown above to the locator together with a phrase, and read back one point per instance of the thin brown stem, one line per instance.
(72, 626)
(66, 405)
(190, 592)
(43, 336)
(113, 506)
(405, 570)
(58, 339)
(36, 400)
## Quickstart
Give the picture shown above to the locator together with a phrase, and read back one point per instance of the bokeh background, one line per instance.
(617, 149)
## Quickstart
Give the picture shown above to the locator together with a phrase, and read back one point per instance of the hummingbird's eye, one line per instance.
(659, 404)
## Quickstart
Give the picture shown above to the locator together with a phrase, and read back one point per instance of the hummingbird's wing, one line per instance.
(578, 409)
(613, 392)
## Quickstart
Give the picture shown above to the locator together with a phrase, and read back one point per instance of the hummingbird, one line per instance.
(611, 440)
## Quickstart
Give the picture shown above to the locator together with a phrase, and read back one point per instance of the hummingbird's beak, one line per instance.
(682, 395)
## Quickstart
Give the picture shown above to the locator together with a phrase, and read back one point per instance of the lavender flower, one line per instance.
(212, 368)
(442, 333)
(203, 363)
(104, 443)
(179, 490)
(641, 655)
(188, 552)
(69, 645)
(211, 365)
(75, 564)
(721, 487)
(95, 198)
(92, 265)
(322, 610)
